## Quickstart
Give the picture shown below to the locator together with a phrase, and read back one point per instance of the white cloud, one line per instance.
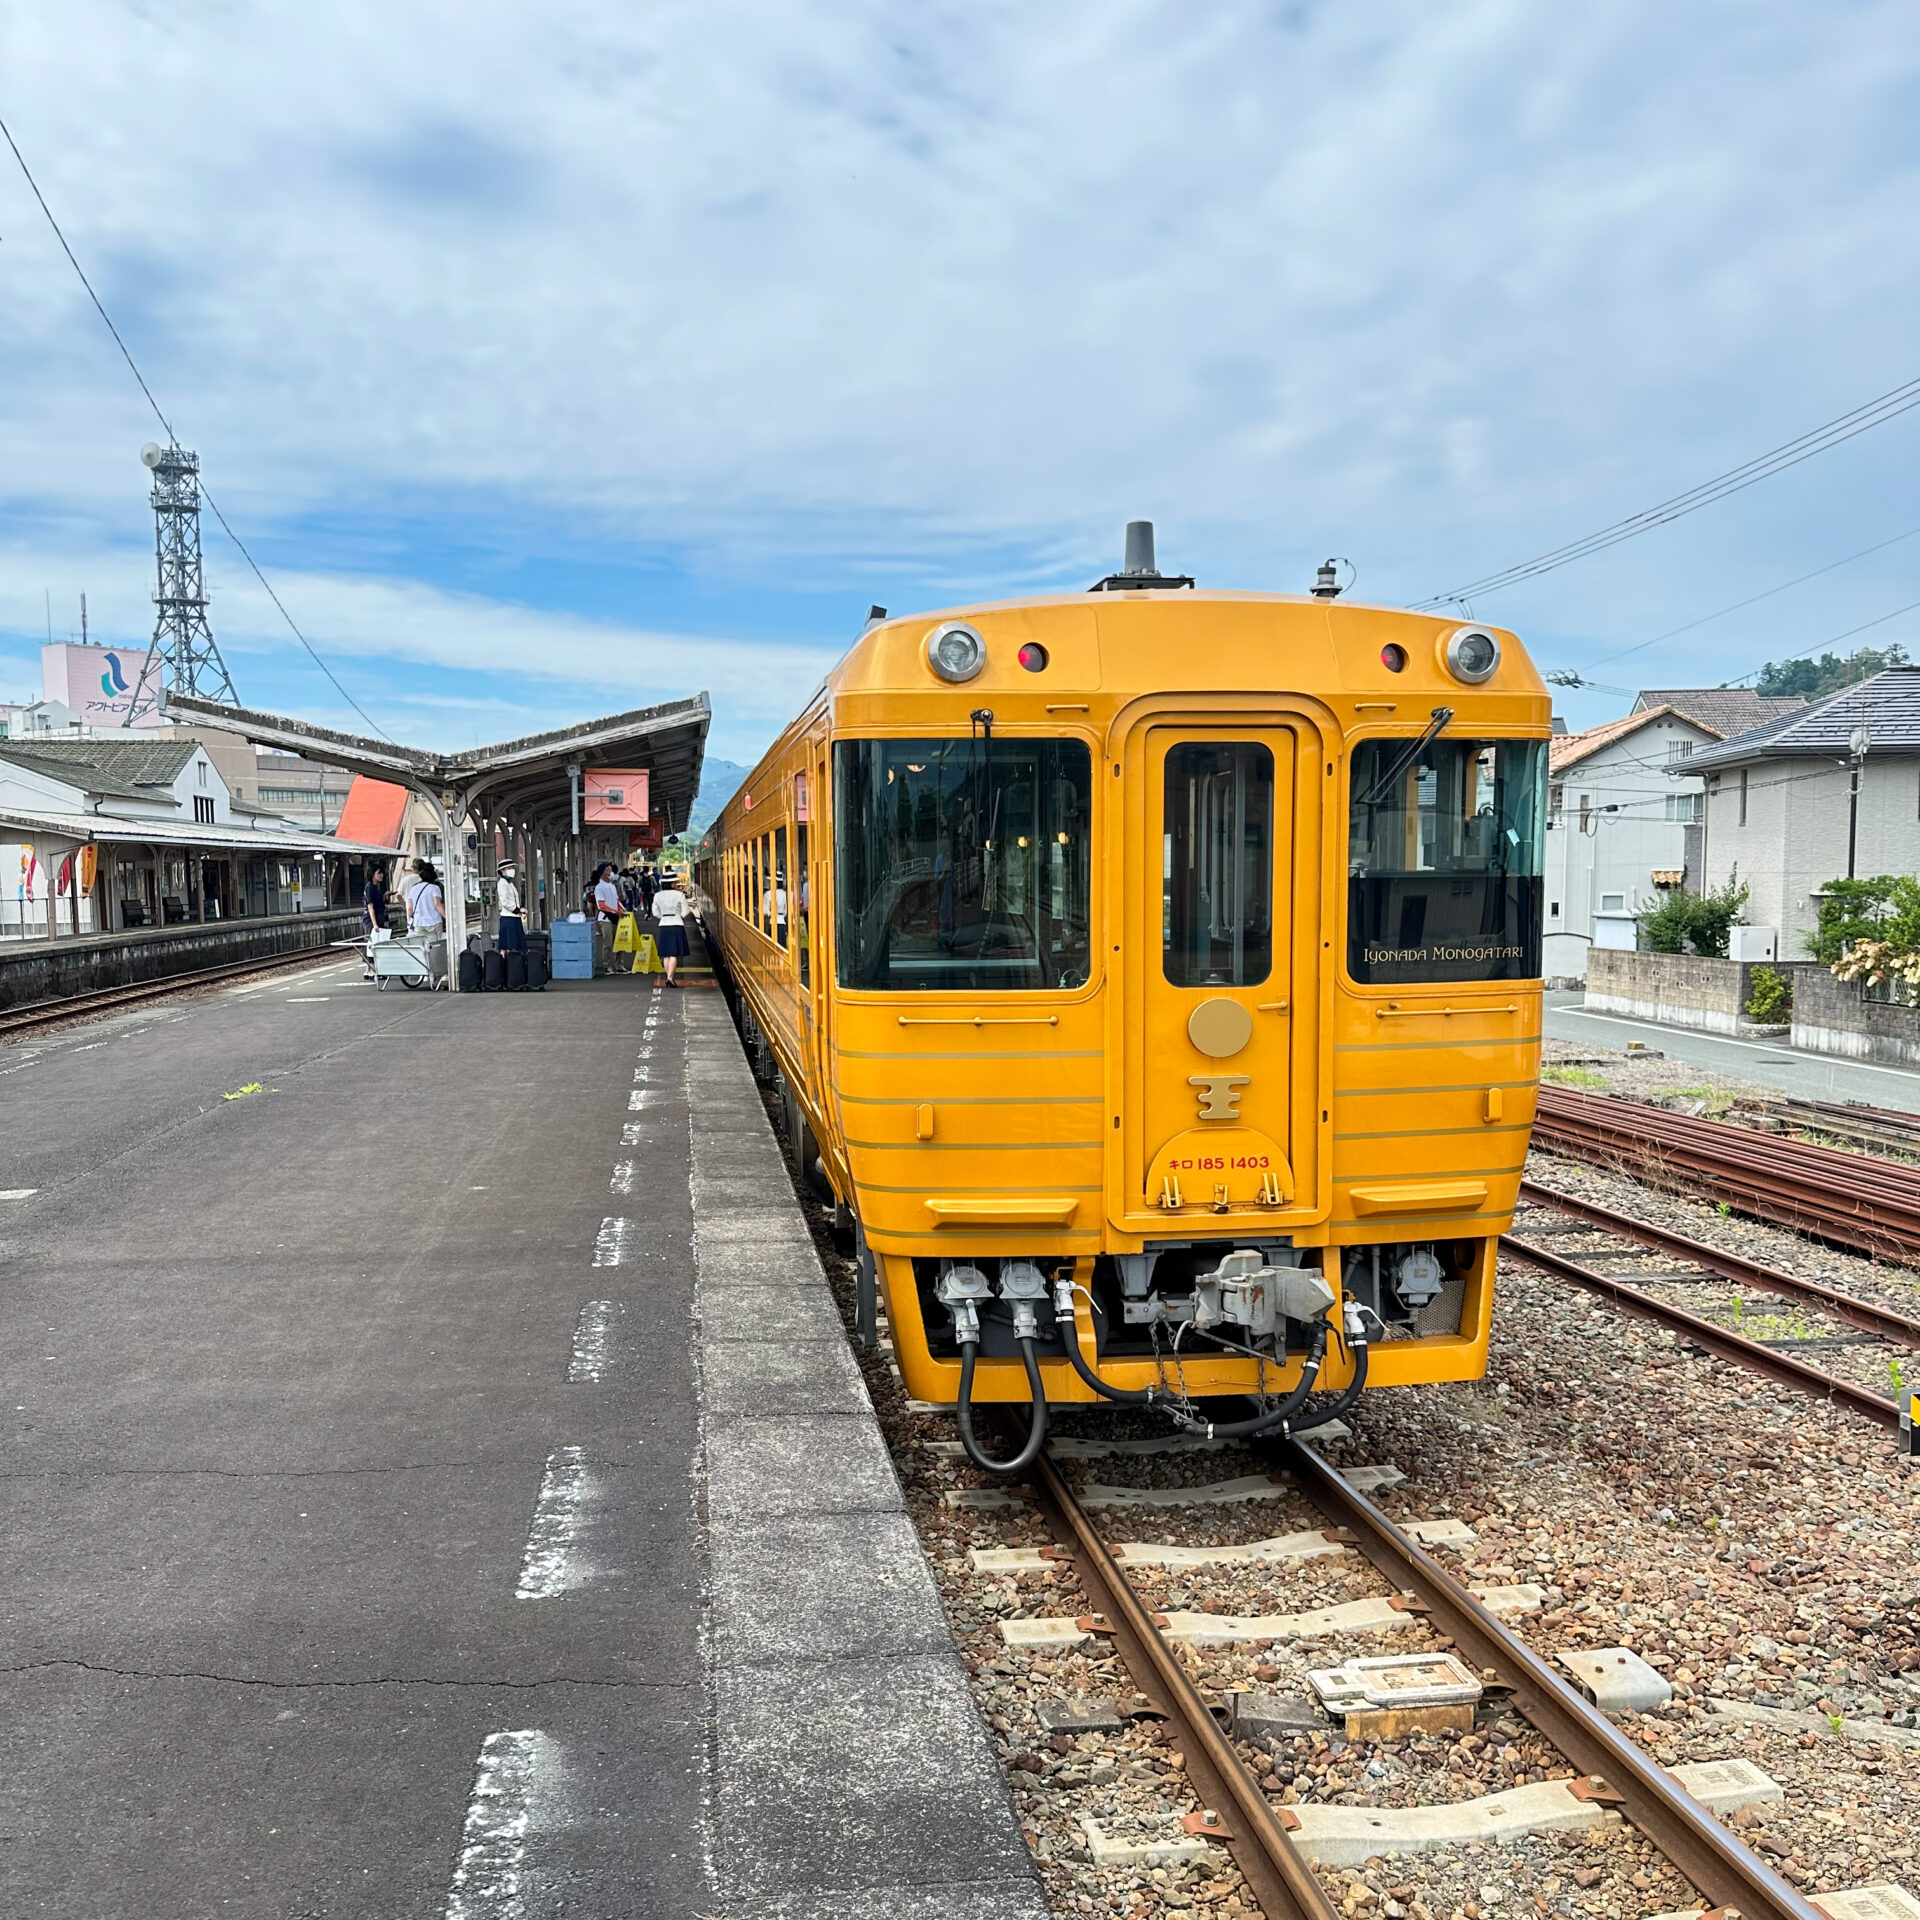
(1434, 286)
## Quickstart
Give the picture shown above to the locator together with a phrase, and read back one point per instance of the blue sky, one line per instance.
(555, 364)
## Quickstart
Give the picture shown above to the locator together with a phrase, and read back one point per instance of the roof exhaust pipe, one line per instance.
(1139, 572)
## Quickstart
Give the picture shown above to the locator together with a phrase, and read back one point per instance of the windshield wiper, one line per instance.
(1413, 751)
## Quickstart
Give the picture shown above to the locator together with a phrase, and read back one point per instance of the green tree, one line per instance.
(1828, 674)
(1885, 908)
(1701, 923)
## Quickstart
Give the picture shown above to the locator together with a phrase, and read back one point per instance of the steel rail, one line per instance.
(1781, 1367)
(1725, 1872)
(1882, 1322)
(1273, 1867)
(44, 1013)
(1855, 1200)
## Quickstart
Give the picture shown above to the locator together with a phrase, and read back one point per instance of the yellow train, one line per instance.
(1154, 978)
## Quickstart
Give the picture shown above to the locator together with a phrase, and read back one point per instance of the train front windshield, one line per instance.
(1445, 856)
(962, 865)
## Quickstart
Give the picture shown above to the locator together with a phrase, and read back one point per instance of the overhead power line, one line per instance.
(1874, 413)
(174, 438)
(1754, 599)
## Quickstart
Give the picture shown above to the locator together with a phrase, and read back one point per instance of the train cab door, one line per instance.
(1211, 1076)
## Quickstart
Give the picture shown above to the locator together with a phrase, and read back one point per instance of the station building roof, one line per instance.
(520, 778)
(106, 829)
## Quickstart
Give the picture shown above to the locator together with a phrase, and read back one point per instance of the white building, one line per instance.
(1616, 829)
(137, 829)
(1780, 805)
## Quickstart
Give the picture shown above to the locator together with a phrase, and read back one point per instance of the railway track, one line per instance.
(79, 1006)
(1851, 1200)
(1611, 1770)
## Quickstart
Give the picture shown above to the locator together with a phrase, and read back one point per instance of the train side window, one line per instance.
(1445, 859)
(963, 864)
(777, 906)
(797, 903)
(1216, 871)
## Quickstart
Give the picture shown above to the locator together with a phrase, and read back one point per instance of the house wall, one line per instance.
(1835, 1016)
(1795, 837)
(1619, 852)
(1681, 989)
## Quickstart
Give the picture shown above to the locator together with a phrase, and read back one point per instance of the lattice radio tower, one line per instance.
(181, 656)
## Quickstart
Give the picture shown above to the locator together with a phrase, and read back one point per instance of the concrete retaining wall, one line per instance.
(1682, 990)
(54, 969)
(1835, 1016)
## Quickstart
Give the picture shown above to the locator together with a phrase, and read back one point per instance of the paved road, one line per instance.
(1811, 1076)
(288, 1380)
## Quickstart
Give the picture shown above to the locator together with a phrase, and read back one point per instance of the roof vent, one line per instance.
(1138, 572)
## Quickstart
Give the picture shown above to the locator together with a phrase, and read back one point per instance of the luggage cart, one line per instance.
(414, 959)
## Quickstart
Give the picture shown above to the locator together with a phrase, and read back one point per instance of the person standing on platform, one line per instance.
(649, 886)
(426, 904)
(373, 905)
(506, 899)
(670, 917)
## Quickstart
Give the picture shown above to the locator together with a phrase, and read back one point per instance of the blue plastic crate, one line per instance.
(571, 948)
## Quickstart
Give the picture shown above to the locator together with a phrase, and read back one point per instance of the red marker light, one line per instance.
(1393, 658)
(1033, 656)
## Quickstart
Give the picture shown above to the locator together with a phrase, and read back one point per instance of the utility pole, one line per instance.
(1857, 743)
(181, 657)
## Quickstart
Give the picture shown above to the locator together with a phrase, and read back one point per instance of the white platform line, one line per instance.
(622, 1180)
(642, 1074)
(630, 1134)
(18, 1193)
(486, 1883)
(551, 1565)
(639, 1099)
(610, 1243)
(590, 1343)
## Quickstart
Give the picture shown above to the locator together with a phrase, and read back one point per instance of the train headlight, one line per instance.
(955, 651)
(1472, 654)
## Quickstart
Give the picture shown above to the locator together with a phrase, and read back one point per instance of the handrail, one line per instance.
(983, 1020)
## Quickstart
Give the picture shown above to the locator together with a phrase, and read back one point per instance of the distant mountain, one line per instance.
(719, 782)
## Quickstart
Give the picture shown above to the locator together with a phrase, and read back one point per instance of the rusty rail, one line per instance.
(1285, 1886)
(1782, 1367)
(1854, 1200)
(1882, 1322)
(77, 1006)
(1724, 1871)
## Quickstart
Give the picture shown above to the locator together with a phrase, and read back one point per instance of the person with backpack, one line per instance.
(426, 904)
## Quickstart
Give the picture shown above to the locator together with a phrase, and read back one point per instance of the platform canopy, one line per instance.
(528, 777)
(525, 795)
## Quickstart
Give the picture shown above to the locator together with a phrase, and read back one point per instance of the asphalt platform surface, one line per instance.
(387, 1532)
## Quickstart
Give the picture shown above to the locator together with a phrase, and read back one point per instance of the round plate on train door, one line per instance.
(1220, 1027)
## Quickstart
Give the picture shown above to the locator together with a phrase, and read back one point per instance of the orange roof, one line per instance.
(1568, 749)
(373, 813)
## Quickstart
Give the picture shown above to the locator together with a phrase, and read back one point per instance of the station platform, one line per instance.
(438, 1484)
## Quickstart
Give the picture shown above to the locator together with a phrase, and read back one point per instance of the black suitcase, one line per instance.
(537, 975)
(469, 972)
(515, 965)
(494, 977)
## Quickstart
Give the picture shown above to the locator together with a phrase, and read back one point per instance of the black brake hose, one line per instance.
(1070, 1334)
(1276, 1416)
(1343, 1401)
(1036, 1434)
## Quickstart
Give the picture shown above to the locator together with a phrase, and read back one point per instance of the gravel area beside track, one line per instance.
(1890, 1283)
(1755, 1547)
